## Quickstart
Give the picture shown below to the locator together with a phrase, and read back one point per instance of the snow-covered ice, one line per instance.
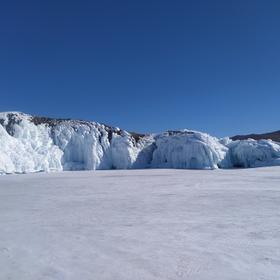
(251, 153)
(188, 149)
(32, 144)
(141, 224)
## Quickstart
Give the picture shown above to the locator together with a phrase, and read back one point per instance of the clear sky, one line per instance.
(144, 65)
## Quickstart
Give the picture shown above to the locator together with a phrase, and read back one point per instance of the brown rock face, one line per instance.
(275, 136)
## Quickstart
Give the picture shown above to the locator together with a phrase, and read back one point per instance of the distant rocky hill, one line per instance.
(274, 136)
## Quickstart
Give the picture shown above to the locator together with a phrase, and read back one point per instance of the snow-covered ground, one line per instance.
(141, 224)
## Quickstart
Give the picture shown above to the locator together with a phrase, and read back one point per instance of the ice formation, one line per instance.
(188, 149)
(33, 144)
(28, 148)
(253, 153)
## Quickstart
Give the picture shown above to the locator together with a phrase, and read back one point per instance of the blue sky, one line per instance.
(144, 65)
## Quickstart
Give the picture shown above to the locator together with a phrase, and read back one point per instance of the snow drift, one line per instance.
(33, 144)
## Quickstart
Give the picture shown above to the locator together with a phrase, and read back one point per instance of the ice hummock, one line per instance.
(33, 144)
(188, 149)
(26, 147)
(253, 153)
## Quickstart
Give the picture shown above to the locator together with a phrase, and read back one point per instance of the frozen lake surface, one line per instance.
(140, 225)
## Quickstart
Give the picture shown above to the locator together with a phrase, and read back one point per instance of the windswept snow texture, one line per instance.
(32, 144)
(141, 225)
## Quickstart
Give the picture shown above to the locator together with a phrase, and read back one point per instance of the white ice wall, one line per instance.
(76, 145)
(30, 149)
(252, 153)
(188, 149)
